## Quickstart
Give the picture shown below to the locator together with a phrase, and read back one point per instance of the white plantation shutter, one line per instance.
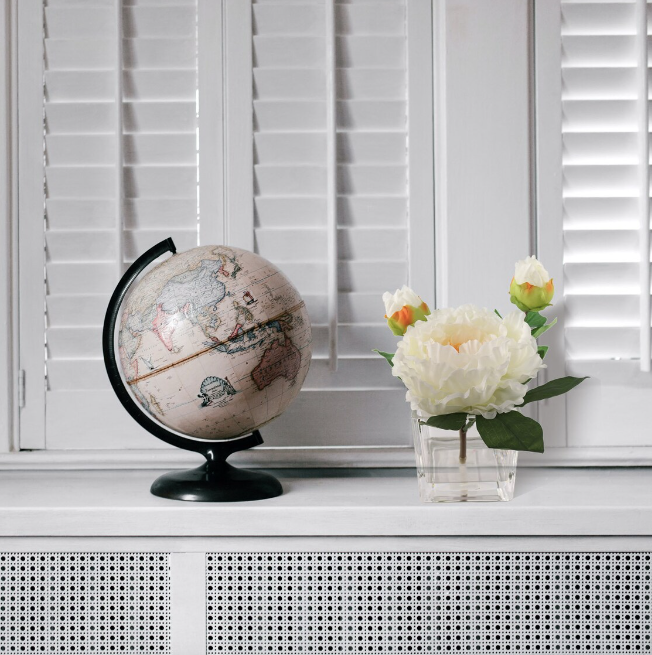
(606, 225)
(326, 171)
(119, 120)
(601, 181)
(332, 201)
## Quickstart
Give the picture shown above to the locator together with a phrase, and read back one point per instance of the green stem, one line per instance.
(463, 445)
(469, 424)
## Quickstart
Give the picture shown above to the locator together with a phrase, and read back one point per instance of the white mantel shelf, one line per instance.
(548, 502)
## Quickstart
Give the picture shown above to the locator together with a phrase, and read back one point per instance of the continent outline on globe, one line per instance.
(214, 342)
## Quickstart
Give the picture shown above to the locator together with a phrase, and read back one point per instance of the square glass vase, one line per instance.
(487, 474)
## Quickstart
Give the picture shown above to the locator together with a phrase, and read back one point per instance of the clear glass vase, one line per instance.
(485, 474)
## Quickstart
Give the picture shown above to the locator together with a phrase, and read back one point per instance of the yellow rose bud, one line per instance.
(532, 287)
(402, 309)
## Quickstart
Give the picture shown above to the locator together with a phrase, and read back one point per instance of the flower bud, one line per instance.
(532, 288)
(402, 309)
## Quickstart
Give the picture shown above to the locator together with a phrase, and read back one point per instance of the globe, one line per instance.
(214, 342)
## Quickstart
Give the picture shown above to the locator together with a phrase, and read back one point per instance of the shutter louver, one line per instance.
(88, 228)
(118, 157)
(291, 168)
(601, 185)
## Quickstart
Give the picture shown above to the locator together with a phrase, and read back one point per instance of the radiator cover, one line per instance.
(84, 603)
(428, 602)
(332, 602)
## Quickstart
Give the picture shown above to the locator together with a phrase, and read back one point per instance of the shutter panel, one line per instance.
(606, 227)
(91, 233)
(145, 122)
(360, 402)
(601, 181)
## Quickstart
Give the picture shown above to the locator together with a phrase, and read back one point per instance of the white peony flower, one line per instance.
(467, 360)
(394, 302)
(531, 270)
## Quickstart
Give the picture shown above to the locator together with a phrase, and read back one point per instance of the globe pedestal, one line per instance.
(217, 481)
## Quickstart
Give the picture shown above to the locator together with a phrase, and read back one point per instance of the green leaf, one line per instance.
(447, 421)
(497, 313)
(511, 431)
(551, 389)
(535, 320)
(388, 356)
(541, 351)
(544, 328)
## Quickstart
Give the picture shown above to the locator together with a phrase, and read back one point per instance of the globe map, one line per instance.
(214, 342)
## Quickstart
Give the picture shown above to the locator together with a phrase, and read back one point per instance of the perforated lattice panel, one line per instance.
(84, 603)
(428, 602)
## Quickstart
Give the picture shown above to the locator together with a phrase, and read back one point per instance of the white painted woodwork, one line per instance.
(439, 91)
(421, 147)
(373, 233)
(108, 132)
(311, 421)
(590, 228)
(483, 219)
(118, 141)
(341, 456)
(479, 52)
(351, 544)
(31, 226)
(548, 502)
(8, 309)
(602, 140)
(332, 254)
(210, 82)
(238, 124)
(342, 111)
(188, 603)
(643, 138)
(549, 210)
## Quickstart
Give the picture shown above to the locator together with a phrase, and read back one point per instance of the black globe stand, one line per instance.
(216, 480)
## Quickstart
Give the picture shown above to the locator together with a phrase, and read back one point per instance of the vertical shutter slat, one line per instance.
(643, 106)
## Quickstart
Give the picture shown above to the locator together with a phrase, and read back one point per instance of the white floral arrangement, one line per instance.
(469, 365)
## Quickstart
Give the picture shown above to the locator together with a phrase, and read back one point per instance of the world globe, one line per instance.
(214, 343)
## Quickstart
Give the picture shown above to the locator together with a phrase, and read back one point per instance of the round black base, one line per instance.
(217, 484)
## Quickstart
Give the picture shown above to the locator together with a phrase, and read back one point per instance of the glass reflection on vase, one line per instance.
(450, 472)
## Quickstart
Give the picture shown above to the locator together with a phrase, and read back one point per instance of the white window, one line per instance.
(300, 130)
(593, 117)
(304, 130)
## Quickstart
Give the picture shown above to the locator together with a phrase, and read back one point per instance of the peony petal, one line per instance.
(530, 270)
(483, 375)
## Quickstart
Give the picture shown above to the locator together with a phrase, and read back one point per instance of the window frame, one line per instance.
(448, 16)
(224, 160)
(549, 231)
(30, 56)
(8, 236)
